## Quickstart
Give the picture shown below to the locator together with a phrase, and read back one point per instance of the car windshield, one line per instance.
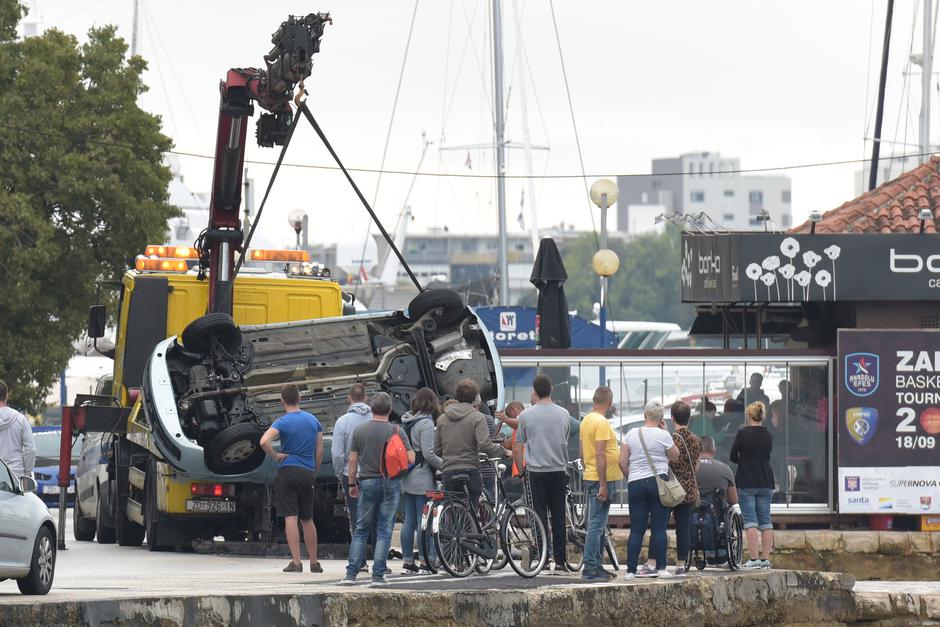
(47, 448)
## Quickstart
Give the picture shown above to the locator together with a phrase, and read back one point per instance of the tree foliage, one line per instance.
(83, 190)
(646, 287)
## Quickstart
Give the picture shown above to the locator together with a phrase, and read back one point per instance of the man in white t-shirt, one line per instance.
(641, 463)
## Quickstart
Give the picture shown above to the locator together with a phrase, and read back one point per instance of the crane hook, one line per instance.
(301, 92)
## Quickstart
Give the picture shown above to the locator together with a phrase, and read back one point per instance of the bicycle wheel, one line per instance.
(454, 523)
(524, 540)
(611, 549)
(488, 525)
(427, 539)
(574, 547)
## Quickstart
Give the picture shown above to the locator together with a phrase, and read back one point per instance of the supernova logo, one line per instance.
(913, 483)
(861, 373)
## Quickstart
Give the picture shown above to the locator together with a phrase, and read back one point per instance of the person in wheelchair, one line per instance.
(715, 517)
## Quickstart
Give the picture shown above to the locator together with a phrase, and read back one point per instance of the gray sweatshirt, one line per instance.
(16, 442)
(421, 478)
(357, 414)
(460, 437)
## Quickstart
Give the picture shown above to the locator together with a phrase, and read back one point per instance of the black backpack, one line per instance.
(419, 455)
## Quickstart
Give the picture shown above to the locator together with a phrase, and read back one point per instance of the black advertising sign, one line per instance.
(889, 421)
(778, 267)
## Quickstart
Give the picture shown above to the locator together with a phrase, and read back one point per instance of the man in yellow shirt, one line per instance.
(600, 452)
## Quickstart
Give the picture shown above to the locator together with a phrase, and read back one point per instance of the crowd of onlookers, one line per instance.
(666, 473)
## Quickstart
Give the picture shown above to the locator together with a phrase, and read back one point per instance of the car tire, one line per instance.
(126, 531)
(448, 304)
(82, 528)
(41, 565)
(151, 513)
(235, 450)
(103, 531)
(197, 333)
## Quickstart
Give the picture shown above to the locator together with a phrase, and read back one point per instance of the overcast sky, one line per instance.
(772, 83)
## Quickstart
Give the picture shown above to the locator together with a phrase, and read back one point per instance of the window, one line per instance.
(755, 197)
(729, 193)
(785, 196)
(728, 217)
(755, 222)
(697, 196)
(785, 220)
(6, 480)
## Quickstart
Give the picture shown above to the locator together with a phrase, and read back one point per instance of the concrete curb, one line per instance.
(748, 598)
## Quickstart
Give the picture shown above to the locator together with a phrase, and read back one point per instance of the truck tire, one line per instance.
(197, 333)
(448, 303)
(103, 531)
(235, 450)
(82, 528)
(127, 532)
(151, 513)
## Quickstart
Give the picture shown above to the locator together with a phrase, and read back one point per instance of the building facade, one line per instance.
(704, 181)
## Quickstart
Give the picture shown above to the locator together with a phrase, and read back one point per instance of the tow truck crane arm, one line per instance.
(288, 63)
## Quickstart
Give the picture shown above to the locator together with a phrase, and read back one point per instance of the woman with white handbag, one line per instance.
(652, 489)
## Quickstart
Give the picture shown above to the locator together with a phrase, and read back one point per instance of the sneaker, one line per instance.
(753, 564)
(680, 571)
(592, 577)
(294, 568)
(424, 569)
(645, 572)
(606, 574)
(629, 576)
(409, 568)
(315, 567)
(663, 574)
(346, 581)
(765, 564)
(379, 581)
(364, 568)
(561, 569)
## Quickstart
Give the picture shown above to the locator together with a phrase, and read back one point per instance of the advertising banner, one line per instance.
(779, 267)
(889, 421)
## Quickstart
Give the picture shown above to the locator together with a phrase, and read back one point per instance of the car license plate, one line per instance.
(54, 489)
(210, 507)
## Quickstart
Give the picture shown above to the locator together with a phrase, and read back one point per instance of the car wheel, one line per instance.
(197, 333)
(104, 531)
(126, 531)
(82, 528)
(235, 450)
(151, 513)
(448, 304)
(41, 566)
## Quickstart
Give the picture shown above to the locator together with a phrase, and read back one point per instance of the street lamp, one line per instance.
(296, 219)
(604, 193)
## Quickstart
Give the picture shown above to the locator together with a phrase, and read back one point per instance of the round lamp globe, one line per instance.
(605, 262)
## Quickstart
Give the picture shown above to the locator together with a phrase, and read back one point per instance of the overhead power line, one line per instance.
(779, 168)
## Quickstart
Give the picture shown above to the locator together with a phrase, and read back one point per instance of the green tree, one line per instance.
(646, 287)
(83, 190)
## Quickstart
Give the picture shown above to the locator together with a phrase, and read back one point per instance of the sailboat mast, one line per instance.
(134, 31)
(500, 153)
(927, 69)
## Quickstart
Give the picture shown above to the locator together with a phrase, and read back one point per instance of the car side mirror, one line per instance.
(27, 484)
(97, 317)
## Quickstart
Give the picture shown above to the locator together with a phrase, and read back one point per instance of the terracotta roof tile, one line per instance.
(894, 207)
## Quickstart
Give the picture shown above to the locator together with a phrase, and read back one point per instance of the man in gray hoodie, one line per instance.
(358, 413)
(461, 435)
(17, 448)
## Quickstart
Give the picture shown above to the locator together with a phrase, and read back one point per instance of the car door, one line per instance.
(16, 528)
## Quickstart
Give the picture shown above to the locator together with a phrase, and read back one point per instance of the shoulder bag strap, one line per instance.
(649, 458)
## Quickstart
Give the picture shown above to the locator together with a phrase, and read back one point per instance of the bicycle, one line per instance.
(464, 538)
(576, 514)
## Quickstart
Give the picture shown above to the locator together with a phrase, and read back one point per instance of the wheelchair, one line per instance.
(717, 534)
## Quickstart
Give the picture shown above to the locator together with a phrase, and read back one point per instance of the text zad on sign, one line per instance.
(889, 404)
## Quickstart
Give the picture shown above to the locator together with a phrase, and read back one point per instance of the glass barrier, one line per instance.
(795, 391)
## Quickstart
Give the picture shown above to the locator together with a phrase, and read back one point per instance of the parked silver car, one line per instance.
(27, 535)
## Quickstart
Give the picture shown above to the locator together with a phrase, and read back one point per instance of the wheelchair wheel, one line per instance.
(734, 536)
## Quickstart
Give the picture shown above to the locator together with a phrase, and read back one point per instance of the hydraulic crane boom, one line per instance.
(289, 63)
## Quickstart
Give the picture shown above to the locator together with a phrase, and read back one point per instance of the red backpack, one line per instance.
(394, 456)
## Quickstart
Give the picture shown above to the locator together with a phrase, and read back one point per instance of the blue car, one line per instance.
(46, 469)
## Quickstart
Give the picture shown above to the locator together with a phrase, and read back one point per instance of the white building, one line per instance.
(705, 181)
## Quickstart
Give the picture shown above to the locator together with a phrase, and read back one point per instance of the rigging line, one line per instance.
(450, 15)
(794, 166)
(74, 13)
(577, 139)
(375, 218)
(166, 93)
(476, 58)
(904, 110)
(535, 91)
(174, 73)
(388, 138)
(871, 28)
(267, 191)
(463, 54)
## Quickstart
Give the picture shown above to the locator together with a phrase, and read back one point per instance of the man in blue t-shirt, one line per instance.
(297, 466)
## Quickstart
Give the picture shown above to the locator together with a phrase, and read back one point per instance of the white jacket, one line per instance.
(16, 442)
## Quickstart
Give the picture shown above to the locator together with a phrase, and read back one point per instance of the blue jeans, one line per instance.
(755, 507)
(596, 525)
(646, 511)
(378, 500)
(414, 509)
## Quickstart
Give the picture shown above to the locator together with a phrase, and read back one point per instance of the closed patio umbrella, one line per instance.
(548, 277)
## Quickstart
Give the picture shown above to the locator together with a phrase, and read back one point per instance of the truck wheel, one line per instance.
(197, 333)
(448, 303)
(151, 513)
(41, 566)
(235, 450)
(104, 532)
(127, 532)
(82, 528)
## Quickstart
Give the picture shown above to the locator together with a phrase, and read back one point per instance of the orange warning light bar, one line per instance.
(161, 265)
(260, 254)
(175, 252)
